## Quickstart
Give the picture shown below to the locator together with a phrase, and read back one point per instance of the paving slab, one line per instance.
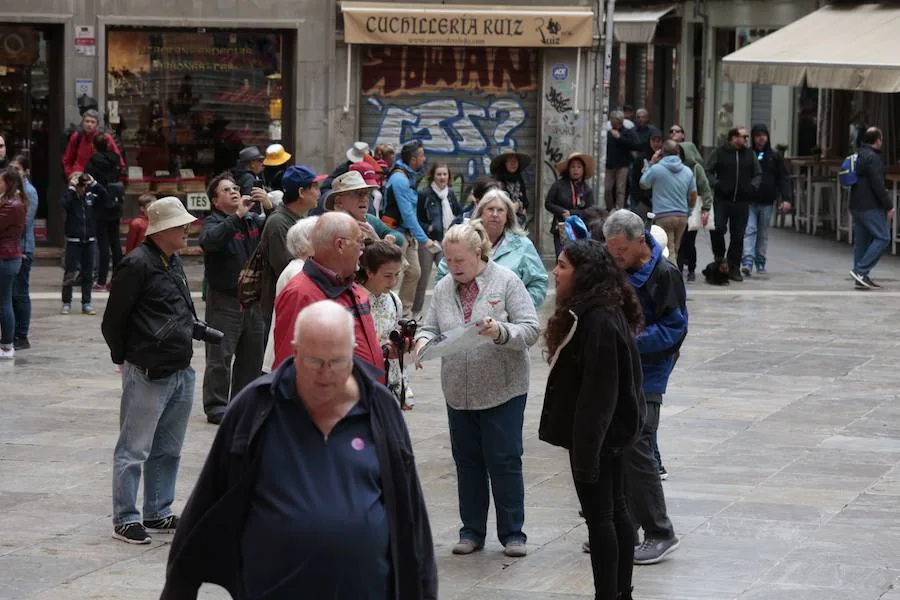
(779, 431)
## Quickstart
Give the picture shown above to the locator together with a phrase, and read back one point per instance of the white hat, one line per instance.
(358, 152)
(660, 237)
(167, 213)
(350, 181)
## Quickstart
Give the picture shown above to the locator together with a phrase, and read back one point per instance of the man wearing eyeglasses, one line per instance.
(310, 488)
(337, 242)
(230, 235)
(676, 133)
(734, 175)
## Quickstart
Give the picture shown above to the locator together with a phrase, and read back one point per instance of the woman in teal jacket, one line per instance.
(511, 246)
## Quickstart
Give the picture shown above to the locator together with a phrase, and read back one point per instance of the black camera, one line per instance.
(403, 336)
(205, 333)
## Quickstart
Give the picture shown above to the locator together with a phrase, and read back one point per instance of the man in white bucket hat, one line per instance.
(149, 326)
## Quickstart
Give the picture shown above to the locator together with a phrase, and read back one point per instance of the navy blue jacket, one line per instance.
(207, 543)
(80, 212)
(660, 289)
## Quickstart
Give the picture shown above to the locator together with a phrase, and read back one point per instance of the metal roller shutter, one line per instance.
(465, 104)
(760, 105)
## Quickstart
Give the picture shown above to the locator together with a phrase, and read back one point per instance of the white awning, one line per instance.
(638, 26)
(835, 47)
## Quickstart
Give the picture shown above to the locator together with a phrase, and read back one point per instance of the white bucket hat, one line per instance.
(358, 152)
(167, 213)
(350, 181)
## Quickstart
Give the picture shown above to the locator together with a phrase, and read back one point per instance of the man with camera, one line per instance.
(148, 325)
(230, 235)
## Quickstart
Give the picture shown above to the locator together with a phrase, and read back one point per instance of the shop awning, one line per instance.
(638, 26)
(835, 47)
(393, 23)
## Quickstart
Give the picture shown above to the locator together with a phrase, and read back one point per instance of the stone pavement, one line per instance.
(781, 434)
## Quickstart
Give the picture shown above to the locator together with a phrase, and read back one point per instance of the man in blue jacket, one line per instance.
(400, 213)
(660, 289)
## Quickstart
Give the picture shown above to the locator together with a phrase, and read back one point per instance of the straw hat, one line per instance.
(276, 156)
(588, 161)
(350, 181)
(167, 213)
(497, 165)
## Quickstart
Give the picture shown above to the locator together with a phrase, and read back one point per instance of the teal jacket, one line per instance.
(518, 254)
(383, 230)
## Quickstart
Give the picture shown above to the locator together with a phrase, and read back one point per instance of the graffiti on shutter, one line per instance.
(465, 105)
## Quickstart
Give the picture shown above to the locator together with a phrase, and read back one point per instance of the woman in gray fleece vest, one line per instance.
(485, 387)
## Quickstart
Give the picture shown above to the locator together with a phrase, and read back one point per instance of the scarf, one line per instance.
(447, 215)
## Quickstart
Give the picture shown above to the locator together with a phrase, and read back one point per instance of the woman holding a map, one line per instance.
(485, 382)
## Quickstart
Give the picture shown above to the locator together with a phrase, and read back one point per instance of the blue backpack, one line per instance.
(848, 175)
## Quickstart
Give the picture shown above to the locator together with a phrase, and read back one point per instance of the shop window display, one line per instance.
(184, 103)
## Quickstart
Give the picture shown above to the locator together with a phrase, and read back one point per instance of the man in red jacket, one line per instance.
(81, 145)
(337, 245)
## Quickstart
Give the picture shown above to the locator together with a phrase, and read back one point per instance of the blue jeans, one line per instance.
(871, 237)
(487, 444)
(22, 298)
(756, 236)
(9, 268)
(153, 419)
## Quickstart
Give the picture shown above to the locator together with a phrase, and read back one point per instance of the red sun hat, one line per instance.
(367, 172)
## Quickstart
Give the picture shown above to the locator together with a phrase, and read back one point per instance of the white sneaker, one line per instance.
(7, 352)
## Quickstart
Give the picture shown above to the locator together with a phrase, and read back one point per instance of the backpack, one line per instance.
(848, 175)
(390, 209)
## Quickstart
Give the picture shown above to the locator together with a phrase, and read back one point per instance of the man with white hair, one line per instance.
(330, 273)
(310, 488)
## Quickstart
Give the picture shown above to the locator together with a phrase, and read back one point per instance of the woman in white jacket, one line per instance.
(485, 387)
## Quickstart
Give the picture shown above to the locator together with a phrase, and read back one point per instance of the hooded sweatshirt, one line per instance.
(776, 179)
(672, 185)
(694, 160)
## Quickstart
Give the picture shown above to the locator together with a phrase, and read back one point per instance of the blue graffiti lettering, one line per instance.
(447, 126)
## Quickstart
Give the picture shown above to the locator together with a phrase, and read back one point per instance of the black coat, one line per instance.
(559, 199)
(869, 193)
(81, 212)
(207, 543)
(593, 404)
(775, 178)
(431, 212)
(228, 242)
(618, 150)
(149, 318)
(733, 174)
(106, 169)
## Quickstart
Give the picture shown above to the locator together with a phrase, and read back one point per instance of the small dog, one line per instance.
(716, 273)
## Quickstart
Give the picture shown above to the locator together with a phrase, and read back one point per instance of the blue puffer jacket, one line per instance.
(660, 289)
(518, 254)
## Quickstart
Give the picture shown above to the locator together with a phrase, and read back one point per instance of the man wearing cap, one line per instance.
(274, 166)
(248, 173)
(81, 145)
(357, 153)
(148, 326)
(350, 194)
(401, 206)
(230, 235)
(301, 194)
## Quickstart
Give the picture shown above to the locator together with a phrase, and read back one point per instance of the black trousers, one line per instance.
(80, 268)
(610, 530)
(687, 252)
(731, 217)
(110, 245)
(646, 499)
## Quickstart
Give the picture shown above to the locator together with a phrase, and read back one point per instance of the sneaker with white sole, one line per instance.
(652, 551)
(87, 309)
(465, 546)
(66, 309)
(166, 525)
(860, 279)
(515, 549)
(7, 352)
(131, 533)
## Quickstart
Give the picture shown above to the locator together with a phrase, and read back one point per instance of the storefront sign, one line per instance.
(560, 72)
(391, 23)
(85, 41)
(198, 201)
(18, 46)
(84, 87)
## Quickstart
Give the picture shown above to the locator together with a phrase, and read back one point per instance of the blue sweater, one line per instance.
(672, 183)
(661, 291)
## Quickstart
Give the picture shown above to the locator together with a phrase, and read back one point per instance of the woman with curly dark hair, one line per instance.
(592, 405)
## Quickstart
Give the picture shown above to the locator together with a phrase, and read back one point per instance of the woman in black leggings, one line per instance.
(592, 405)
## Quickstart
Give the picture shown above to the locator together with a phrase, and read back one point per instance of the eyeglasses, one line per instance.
(676, 131)
(230, 189)
(317, 364)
